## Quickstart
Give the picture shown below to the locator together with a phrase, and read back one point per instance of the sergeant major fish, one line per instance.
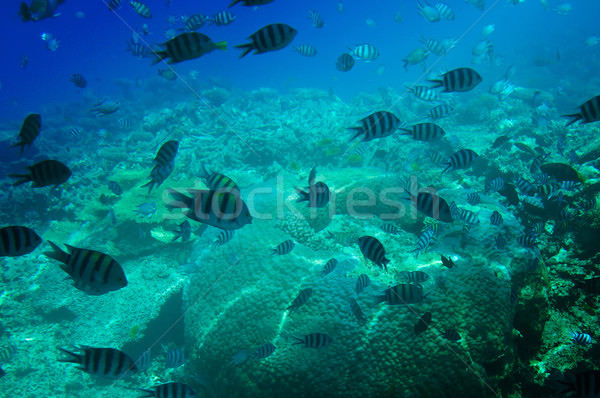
(39, 9)
(43, 174)
(269, 38)
(372, 249)
(30, 129)
(187, 46)
(18, 241)
(105, 362)
(377, 125)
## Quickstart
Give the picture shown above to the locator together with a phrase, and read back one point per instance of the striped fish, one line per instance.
(431, 205)
(186, 46)
(7, 352)
(376, 125)
(314, 340)
(414, 276)
(344, 62)
(250, 3)
(459, 80)
(224, 210)
(362, 283)
(581, 338)
(440, 111)
(2, 373)
(373, 250)
(536, 163)
(104, 362)
(434, 46)
(216, 181)
(78, 80)
(445, 11)
(525, 187)
(114, 4)
(366, 52)
(450, 335)
(468, 216)
(473, 198)
(317, 196)
(423, 323)
(461, 159)
(195, 22)
(93, 272)
(437, 158)
(174, 358)
(307, 50)
(127, 124)
(170, 390)
(447, 262)
(269, 38)
(589, 112)
(264, 351)
(222, 18)
(527, 240)
(424, 93)
(582, 385)
(75, 133)
(166, 153)
(496, 218)
(158, 175)
(284, 247)
(224, 237)
(357, 311)
(390, 229)
(18, 241)
(43, 174)
(115, 188)
(329, 266)
(500, 242)
(495, 185)
(423, 242)
(424, 132)
(500, 141)
(402, 294)
(300, 300)
(317, 19)
(167, 74)
(29, 131)
(142, 9)
(546, 190)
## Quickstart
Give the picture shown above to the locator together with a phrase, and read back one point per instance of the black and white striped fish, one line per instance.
(138, 49)
(104, 362)
(468, 217)
(581, 338)
(115, 188)
(473, 198)
(195, 21)
(7, 352)
(224, 237)
(78, 80)
(284, 247)
(18, 241)
(329, 266)
(307, 50)
(186, 46)
(423, 241)
(141, 9)
(114, 4)
(75, 133)
(93, 272)
(500, 242)
(317, 195)
(166, 153)
(440, 111)
(461, 159)
(547, 190)
(366, 52)
(458, 80)
(589, 112)
(445, 11)
(183, 232)
(264, 351)
(527, 240)
(222, 18)
(357, 311)
(344, 62)
(424, 93)
(583, 385)
(224, 210)
(317, 19)
(362, 283)
(451, 335)
(300, 300)
(250, 3)
(216, 181)
(434, 46)
(170, 390)
(433, 206)
(424, 132)
(269, 38)
(373, 250)
(314, 340)
(125, 123)
(496, 218)
(376, 125)
(29, 131)
(414, 276)
(43, 174)
(536, 163)
(525, 187)
(390, 229)
(402, 294)
(495, 185)
(174, 358)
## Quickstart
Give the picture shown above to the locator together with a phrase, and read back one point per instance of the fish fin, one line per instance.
(222, 45)
(247, 48)
(160, 55)
(437, 82)
(58, 254)
(73, 357)
(25, 178)
(575, 117)
(24, 12)
(304, 196)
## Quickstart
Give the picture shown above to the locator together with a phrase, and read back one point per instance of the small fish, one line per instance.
(445, 11)
(222, 18)
(7, 352)
(366, 52)
(434, 46)
(52, 44)
(496, 218)
(432, 205)
(269, 38)
(344, 62)
(473, 198)
(589, 112)
(415, 57)
(450, 335)
(424, 93)
(423, 323)
(447, 262)
(170, 390)
(75, 133)
(314, 340)
(414, 276)
(307, 50)
(174, 358)
(141, 9)
(17, 241)
(581, 338)
(500, 141)
(105, 362)
(458, 80)
(105, 108)
(93, 272)
(24, 61)
(525, 187)
(138, 49)
(264, 351)
(184, 232)
(39, 9)
(402, 294)
(239, 358)
(527, 240)
(224, 237)
(43, 174)
(461, 159)
(284, 247)
(329, 266)
(488, 30)
(30, 129)
(495, 185)
(167, 74)
(146, 209)
(2, 373)
(114, 4)
(362, 283)
(115, 188)
(125, 123)
(196, 21)
(317, 19)
(426, 132)
(317, 196)
(390, 229)
(357, 311)
(78, 80)
(423, 242)
(187, 46)
(250, 3)
(376, 125)
(373, 250)
(428, 12)
(300, 300)
(440, 111)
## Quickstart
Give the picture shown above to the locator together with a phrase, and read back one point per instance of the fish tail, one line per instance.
(160, 55)
(247, 48)
(72, 357)
(151, 184)
(222, 45)
(574, 117)
(304, 196)
(437, 82)
(203, 172)
(25, 178)
(24, 12)
(358, 131)
(234, 2)
(447, 168)
(298, 340)
(180, 201)
(58, 254)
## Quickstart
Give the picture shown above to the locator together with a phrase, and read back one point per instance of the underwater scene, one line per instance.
(273, 198)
